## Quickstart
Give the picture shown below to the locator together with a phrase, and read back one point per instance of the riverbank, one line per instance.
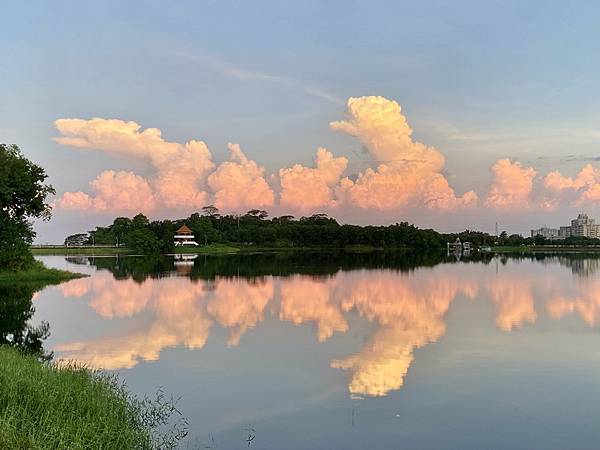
(211, 249)
(39, 273)
(61, 250)
(546, 249)
(48, 406)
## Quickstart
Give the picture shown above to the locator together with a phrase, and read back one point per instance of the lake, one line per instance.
(333, 351)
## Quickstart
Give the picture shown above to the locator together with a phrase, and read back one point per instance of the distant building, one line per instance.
(582, 226)
(548, 233)
(184, 236)
(564, 232)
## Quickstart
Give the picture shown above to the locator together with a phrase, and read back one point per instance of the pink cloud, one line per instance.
(586, 185)
(240, 183)
(309, 188)
(409, 173)
(113, 191)
(405, 174)
(511, 186)
(180, 168)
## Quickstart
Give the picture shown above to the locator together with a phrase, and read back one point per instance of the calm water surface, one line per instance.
(328, 352)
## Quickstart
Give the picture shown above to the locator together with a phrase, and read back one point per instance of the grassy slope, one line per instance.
(47, 407)
(38, 273)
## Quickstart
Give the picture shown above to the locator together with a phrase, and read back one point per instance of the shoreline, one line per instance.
(212, 249)
(232, 248)
(545, 249)
(39, 273)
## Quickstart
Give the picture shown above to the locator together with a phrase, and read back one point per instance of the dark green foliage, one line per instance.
(256, 229)
(137, 268)
(16, 309)
(479, 238)
(280, 263)
(22, 198)
(143, 241)
(15, 236)
(202, 227)
(77, 239)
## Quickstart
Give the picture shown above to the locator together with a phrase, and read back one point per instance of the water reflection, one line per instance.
(16, 311)
(407, 307)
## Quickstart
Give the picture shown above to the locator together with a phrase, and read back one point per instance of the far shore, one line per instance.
(211, 249)
(226, 249)
(546, 249)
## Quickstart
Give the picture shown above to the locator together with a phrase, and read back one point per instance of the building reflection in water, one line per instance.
(407, 308)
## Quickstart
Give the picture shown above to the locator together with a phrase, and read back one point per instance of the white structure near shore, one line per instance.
(184, 236)
(582, 226)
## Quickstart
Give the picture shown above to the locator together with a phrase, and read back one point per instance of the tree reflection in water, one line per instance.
(16, 311)
(406, 302)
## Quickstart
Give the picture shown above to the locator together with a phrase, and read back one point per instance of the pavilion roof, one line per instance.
(184, 230)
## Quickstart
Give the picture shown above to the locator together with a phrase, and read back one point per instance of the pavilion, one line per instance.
(184, 236)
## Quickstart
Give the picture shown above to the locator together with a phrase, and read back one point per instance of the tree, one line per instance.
(23, 195)
(140, 221)
(284, 219)
(76, 239)
(120, 227)
(259, 213)
(143, 241)
(210, 210)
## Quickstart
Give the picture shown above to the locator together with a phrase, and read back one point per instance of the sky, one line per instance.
(449, 115)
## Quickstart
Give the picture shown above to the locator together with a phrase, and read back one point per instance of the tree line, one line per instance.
(479, 239)
(256, 228)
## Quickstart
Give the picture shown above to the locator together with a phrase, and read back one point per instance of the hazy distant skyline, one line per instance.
(478, 82)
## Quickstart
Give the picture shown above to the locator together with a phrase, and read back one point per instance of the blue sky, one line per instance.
(478, 80)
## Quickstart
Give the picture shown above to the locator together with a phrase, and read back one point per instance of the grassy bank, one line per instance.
(211, 249)
(358, 248)
(58, 250)
(38, 273)
(47, 407)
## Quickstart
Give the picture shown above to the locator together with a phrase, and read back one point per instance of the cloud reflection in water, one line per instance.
(407, 309)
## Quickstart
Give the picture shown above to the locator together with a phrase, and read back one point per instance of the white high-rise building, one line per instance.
(584, 226)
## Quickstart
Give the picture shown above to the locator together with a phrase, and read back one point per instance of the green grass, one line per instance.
(46, 406)
(79, 250)
(211, 249)
(38, 273)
